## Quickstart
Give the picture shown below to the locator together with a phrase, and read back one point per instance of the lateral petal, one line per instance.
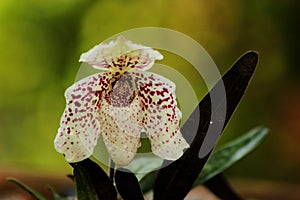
(161, 115)
(79, 125)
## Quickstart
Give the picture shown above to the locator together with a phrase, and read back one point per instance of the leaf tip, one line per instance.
(265, 130)
(252, 56)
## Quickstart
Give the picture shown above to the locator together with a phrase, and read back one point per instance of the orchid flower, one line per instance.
(119, 103)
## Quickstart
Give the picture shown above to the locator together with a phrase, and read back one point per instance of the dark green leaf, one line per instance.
(128, 185)
(34, 193)
(221, 159)
(148, 181)
(221, 188)
(232, 152)
(92, 182)
(180, 175)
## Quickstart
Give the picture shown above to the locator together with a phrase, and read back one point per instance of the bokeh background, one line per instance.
(41, 41)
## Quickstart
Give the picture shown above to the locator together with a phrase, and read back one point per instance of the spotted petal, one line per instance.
(120, 55)
(121, 130)
(161, 116)
(79, 126)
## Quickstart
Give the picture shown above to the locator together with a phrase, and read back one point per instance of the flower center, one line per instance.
(123, 91)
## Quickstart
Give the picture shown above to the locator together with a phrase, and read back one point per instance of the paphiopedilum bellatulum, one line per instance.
(119, 103)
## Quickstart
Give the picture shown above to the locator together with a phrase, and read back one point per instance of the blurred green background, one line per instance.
(41, 42)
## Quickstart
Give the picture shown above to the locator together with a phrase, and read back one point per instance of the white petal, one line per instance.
(121, 142)
(120, 54)
(161, 116)
(79, 126)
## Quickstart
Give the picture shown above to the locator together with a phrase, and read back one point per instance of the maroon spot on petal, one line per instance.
(75, 96)
(89, 89)
(77, 104)
(91, 83)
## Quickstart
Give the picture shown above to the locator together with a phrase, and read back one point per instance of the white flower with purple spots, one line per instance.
(118, 104)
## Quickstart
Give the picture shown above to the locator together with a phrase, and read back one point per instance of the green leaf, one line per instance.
(56, 196)
(34, 193)
(92, 182)
(84, 186)
(145, 169)
(128, 185)
(180, 175)
(148, 181)
(221, 159)
(232, 152)
(143, 164)
(221, 188)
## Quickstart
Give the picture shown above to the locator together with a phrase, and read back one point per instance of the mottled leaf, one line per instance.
(223, 158)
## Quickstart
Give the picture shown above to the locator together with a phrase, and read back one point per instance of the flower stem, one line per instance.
(112, 170)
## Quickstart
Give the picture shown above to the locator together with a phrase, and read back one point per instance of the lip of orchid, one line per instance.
(119, 104)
